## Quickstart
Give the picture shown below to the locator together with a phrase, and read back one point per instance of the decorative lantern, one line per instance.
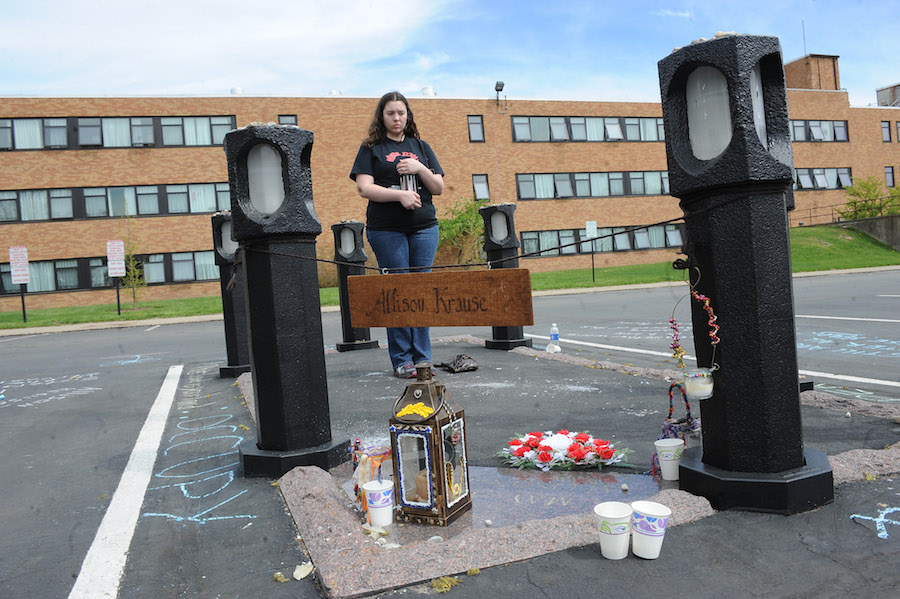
(431, 472)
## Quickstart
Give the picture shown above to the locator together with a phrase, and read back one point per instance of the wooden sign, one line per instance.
(498, 298)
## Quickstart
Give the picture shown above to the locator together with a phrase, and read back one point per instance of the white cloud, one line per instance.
(681, 14)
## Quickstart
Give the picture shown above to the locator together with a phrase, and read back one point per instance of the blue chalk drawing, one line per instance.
(881, 520)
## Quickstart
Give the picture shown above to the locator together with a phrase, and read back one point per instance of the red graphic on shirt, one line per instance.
(393, 156)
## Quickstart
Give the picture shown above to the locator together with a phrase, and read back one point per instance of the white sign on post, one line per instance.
(18, 264)
(591, 228)
(115, 257)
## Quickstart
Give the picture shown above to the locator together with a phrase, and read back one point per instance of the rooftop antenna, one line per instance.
(803, 26)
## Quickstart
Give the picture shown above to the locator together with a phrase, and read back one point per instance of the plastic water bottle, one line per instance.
(553, 346)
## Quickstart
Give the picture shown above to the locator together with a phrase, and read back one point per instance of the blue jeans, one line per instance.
(394, 249)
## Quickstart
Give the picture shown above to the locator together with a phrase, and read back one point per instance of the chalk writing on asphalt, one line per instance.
(200, 459)
(22, 394)
(855, 393)
(850, 344)
(129, 359)
(880, 520)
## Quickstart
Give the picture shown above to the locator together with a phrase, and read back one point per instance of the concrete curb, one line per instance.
(90, 326)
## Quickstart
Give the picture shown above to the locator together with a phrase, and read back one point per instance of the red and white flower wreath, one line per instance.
(562, 450)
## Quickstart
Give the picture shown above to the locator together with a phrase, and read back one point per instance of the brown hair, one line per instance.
(377, 131)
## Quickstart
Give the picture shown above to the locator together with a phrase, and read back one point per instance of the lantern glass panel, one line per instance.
(759, 109)
(414, 463)
(265, 178)
(454, 470)
(499, 230)
(228, 245)
(348, 241)
(709, 112)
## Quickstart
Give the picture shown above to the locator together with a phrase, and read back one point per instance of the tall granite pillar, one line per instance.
(500, 242)
(274, 220)
(729, 153)
(231, 282)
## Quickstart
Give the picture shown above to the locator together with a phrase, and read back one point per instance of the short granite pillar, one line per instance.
(231, 282)
(729, 153)
(274, 220)
(351, 257)
(500, 242)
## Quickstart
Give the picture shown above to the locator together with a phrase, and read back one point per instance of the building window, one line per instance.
(9, 206)
(609, 239)
(6, 134)
(177, 196)
(147, 199)
(66, 274)
(579, 128)
(202, 197)
(95, 201)
(822, 178)
(898, 132)
(89, 132)
(889, 176)
(55, 133)
(142, 131)
(60, 203)
(287, 119)
(99, 273)
(480, 185)
(583, 185)
(223, 196)
(154, 269)
(885, 131)
(476, 128)
(802, 130)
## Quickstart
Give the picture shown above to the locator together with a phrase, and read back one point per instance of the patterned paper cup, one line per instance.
(614, 518)
(669, 452)
(380, 502)
(648, 528)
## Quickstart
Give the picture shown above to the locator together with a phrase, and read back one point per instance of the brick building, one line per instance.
(72, 168)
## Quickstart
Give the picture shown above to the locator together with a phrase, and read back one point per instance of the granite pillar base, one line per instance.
(506, 344)
(789, 492)
(232, 372)
(275, 464)
(354, 345)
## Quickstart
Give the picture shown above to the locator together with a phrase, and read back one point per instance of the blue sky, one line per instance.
(574, 50)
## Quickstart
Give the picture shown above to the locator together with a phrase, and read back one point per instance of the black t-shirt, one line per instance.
(380, 161)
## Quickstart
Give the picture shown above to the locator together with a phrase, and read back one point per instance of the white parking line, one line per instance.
(156, 326)
(839, 377)
(102, 569)
(848, 318)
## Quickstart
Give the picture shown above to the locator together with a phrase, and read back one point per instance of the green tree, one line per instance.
(463, 228)
(133, 280)
(868, 198)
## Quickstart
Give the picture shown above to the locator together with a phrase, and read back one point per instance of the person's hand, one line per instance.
(410, 200)
(410, 166)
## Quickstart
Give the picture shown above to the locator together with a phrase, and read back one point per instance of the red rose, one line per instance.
(606, 453)
(533, 441)
(600, 442)
(514, 442)
(538, 435)
(576, 453)
(544, 456)
(521, 451)
(562, 432)
(544, 448)
(573, 447)
(582, 437)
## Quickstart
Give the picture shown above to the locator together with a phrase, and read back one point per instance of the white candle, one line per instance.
(698, 386)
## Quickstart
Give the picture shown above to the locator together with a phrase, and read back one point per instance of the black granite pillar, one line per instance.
(231, 282)
(729, 153)
(500, 242)
(274, 220)
(349, 251)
